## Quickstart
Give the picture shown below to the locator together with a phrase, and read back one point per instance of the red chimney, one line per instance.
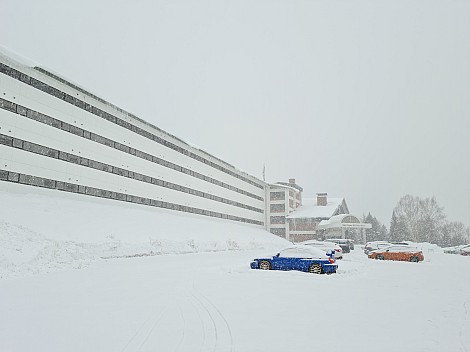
(322, 199)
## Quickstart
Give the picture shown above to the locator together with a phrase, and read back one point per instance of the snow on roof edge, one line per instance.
(306, 211)
(11, 55)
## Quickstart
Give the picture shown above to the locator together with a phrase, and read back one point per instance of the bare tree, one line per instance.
(454, 234)
(418, 220)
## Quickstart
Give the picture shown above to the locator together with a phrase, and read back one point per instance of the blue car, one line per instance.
(302, 258)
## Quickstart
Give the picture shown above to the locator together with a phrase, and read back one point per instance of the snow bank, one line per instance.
(47, 230)
(426, 248)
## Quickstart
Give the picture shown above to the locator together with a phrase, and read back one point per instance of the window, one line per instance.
(277, 196)
(277, 208)
(278, 220)
(6, 140)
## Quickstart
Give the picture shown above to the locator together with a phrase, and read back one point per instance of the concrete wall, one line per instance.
(56, 135)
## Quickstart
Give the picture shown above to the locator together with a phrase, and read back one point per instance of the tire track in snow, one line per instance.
(194, 305)
(463, 345)
(151, 330)
(222, 331)
(149, 325)
(183, 331)
(227, 325)
(185, 324)
(211, 322)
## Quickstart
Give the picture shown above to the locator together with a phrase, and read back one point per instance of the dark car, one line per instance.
(346, 244)
(302, 258)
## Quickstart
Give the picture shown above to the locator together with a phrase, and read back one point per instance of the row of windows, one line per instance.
(278, 196)
(277, 208)
(97, 192)
(302, 226)
(305, 220)
(37, 116)
(60, 79)
(107, 116)
(75, 159)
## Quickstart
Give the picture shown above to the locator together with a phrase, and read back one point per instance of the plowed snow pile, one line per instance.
(50, 230)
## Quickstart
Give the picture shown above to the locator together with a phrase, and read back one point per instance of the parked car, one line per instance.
(465, 250)
(452, 250)
(327, 246)
(398, 252)
(374, 245)
(455, 249)
(298, 257)
(346, 244)
(351, 245)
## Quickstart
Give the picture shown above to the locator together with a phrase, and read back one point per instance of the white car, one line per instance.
(465, 250)
(456, 249)
(374, 245)
(327, 246)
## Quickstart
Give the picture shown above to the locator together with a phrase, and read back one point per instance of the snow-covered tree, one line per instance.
(420, 220)
(398, 229)
(384, 235)
(453, 234)
(377, 232)
(432, 219)
(445, 239)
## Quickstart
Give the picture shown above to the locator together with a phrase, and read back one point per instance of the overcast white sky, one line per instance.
(367, 100)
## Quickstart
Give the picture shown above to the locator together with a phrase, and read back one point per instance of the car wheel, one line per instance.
(414, 259)
(264, 265)
(380, 257)
(315, 269)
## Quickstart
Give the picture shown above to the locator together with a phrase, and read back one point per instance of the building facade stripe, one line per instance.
(31, 147)
(53, 122)
(35, 181)
(18, 75)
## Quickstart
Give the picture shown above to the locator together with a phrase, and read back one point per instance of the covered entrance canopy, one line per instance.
(341, 225)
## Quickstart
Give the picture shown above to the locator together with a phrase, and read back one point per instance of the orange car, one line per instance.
(402, 253)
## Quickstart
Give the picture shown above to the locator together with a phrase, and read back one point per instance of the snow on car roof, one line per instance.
(377, 242)
(303, 250)
(320, 243)
(398, 248)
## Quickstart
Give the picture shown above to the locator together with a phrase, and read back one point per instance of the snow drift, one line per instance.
(47, 230)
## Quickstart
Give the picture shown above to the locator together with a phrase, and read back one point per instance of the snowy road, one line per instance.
(213, 302)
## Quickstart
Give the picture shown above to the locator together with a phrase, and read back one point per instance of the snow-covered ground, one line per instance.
(192, 289)
(48, 230)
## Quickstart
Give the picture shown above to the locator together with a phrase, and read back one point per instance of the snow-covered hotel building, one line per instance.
(284, 198)
(55, 135)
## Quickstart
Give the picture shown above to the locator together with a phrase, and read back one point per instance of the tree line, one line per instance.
(418, 220)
